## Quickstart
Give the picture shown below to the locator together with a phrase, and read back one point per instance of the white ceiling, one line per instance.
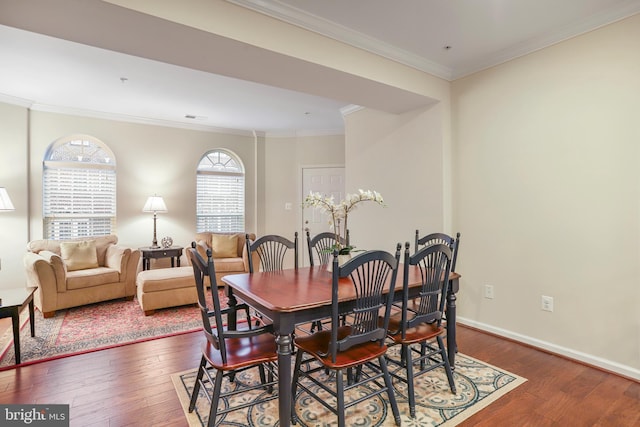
(53, 74)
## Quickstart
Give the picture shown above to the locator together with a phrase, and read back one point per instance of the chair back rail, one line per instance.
(271, 250)
(322, 245)
(439, 238)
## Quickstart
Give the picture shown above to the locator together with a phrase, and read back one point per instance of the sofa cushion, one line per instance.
(224, 265)
(206, 237)
(79, 255)
(80, 279)
(224, 246)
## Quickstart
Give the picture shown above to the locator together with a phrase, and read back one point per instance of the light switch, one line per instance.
(287, 206)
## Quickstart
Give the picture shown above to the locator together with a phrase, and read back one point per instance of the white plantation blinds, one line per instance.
(220, 193)
(79, 189)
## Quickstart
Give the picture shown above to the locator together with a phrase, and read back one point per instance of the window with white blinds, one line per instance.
(79, 189)
(220, 192)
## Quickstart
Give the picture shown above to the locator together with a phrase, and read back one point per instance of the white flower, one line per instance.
(338, 213)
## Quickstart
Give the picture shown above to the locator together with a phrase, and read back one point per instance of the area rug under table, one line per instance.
(95, 327)
(478, 385)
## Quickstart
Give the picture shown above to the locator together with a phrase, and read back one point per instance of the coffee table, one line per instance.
(14, 300)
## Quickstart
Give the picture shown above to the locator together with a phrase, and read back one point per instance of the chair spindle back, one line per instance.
(369, 273)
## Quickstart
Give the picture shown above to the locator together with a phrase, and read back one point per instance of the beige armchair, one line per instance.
(71, 273)
(228, 250)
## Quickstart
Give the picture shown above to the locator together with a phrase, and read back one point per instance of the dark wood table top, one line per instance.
(296, 290)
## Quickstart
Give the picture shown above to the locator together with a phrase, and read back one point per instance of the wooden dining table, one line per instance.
(296, 296)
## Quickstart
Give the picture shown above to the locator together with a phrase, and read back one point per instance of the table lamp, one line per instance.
(155, 204)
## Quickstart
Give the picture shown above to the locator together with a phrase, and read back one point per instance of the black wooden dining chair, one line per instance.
(420, 321)
(271, 251)
(321, 247)
(225, 353)
(444, 239)
(358, 343)
(237, 307)
(439, 238)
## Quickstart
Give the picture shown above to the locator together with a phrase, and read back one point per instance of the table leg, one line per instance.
(284, 378)
(452, 346)
(172, 262)
(15, 321)
(232, 317)
(32, 319)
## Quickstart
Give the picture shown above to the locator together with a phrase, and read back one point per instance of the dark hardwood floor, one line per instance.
(130, 385)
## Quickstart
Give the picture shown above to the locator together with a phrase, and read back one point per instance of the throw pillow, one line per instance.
(79, 255)
(224, 245)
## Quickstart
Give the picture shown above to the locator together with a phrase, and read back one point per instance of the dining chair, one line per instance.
(225, 353)
(357, 344)
(271, 252)
(439, 238)
(420, 322)
(321, 246)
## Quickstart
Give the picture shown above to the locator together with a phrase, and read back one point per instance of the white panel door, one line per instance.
(327, 181)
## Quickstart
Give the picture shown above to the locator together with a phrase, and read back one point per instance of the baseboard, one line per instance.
(608, 365)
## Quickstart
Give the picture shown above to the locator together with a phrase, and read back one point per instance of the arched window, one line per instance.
(220, 192)
(79, 188)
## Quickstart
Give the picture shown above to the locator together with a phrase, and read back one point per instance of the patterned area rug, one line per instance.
(95, 327)
(478, 385)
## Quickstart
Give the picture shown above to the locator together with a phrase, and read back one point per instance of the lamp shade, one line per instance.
(5, 201)
(155, 204)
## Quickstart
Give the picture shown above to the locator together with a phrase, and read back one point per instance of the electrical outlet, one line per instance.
(488, 291)
(547, 303)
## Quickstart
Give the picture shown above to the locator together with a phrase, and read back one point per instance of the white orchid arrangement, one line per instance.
(338, 213)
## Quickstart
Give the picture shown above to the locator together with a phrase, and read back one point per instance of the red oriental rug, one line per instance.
(95, 327)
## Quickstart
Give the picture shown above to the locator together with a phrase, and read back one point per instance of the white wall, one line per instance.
(284, 159)
(13, 224)
(400, 156)
(547, 193)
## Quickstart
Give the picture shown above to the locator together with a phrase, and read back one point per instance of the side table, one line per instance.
(13, 302)
(173, 252)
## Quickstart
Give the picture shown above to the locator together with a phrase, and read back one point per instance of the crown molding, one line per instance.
(14, 100)
(34, 106)
(314, 23)
(135, 119)
(303, 133)
(529, 46)
(307, 21)
(348, 109)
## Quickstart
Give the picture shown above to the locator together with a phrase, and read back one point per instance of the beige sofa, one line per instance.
(228, 251)
(71, 273)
